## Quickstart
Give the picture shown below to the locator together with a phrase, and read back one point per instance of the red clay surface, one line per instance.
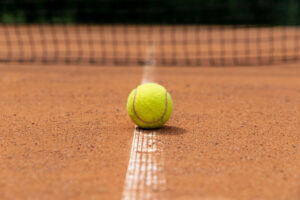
(65, 133)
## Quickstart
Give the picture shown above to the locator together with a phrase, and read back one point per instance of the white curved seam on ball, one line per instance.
(152, 122)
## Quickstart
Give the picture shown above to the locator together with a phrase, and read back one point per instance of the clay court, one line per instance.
(65, 133)
(64, 81)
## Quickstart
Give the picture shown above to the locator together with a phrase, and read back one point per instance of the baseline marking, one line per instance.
(145, 177)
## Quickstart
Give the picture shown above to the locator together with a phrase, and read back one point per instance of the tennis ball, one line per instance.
(149, 105)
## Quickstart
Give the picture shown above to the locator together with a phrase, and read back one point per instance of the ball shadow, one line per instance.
(166, 130)
(171, 130)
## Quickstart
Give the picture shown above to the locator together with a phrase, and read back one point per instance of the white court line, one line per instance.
(149, 68)
(145, 178)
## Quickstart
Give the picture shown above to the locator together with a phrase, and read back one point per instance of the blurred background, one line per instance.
(255, 12)
(121, 32)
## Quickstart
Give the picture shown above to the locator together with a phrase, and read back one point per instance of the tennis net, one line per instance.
(65, 40)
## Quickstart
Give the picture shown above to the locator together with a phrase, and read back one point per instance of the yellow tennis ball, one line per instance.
(149, 105)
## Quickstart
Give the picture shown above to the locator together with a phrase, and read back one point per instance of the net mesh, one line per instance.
(73, 35)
